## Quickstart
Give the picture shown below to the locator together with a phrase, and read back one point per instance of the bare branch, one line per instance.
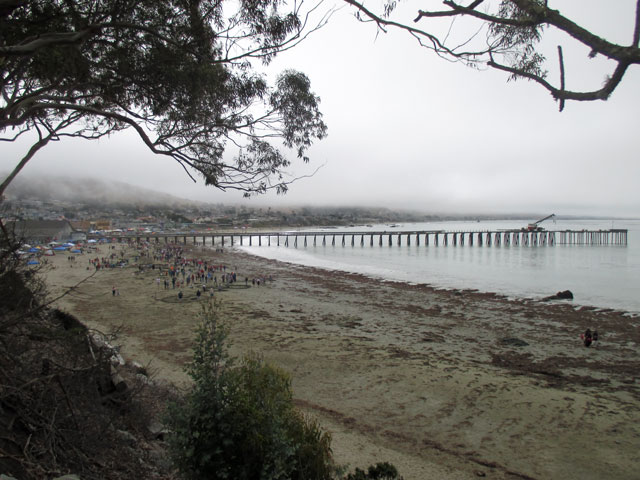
(561, 61)
(512, 34)
(636, 30)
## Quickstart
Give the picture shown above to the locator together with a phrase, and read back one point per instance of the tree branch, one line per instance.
(513, 33)
(46, 40)
(558, 94)
(561, 61)
(32, 151)
(636, 30)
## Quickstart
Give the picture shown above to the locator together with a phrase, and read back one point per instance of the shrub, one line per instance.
(239, 422)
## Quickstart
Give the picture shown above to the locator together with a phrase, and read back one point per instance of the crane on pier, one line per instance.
(535, 226)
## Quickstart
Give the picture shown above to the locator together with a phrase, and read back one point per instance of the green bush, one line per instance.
(239, 422)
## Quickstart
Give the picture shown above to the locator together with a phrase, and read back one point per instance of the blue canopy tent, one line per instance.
(60, 249)
(33, 262)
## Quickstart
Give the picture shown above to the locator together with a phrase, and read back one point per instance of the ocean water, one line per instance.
(605, 276)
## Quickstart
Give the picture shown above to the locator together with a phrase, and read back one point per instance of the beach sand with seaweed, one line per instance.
(444, 384)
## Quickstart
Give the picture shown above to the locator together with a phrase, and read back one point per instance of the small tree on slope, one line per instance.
(239, 422)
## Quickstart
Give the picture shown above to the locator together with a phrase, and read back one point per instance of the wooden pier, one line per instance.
(389, 238)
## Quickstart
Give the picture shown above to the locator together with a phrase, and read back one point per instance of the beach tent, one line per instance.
(49, 253)
(76, 251)
(33, 250)
(33, 262)
(92, 241)
(68, 244)
(59, 249)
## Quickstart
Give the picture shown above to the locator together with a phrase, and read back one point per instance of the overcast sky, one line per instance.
(409, 130)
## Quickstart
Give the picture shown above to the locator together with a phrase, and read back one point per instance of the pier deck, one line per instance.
(390, 238)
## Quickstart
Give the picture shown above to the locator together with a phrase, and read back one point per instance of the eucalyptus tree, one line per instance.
(506, 35)
(182, 73)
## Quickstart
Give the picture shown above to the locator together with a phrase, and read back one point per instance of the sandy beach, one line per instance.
(443, 384)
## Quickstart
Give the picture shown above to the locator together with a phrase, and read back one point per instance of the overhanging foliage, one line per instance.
(179, 72)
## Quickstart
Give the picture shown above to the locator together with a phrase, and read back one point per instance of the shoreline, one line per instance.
(422, 377)
(456, 290)
(585, 296)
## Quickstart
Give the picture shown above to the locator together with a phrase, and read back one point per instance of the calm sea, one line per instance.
(606, 276)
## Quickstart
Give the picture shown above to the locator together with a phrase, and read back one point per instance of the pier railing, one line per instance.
(389, 238)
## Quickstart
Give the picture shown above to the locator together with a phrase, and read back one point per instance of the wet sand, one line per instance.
(430, 380)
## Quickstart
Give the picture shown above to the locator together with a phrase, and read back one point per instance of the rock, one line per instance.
(157, 429)
(138, 368)
(118, 382)
(70, 476)
(516, 342)
(564, 295)
(7, 477)
(127, 437)
(116, 359)
(100, 341)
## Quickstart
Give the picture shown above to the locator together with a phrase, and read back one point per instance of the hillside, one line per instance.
(90, 191)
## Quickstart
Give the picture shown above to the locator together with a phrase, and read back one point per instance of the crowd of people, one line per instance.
(109, 261)
(178, 269)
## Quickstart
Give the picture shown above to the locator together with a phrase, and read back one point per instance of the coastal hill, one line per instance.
(40, 197)
(88, 191)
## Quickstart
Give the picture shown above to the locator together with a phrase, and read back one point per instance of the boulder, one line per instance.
(564, 295)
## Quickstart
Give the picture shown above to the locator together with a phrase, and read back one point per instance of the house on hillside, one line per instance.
(81, 225)
(101, 224)
(41, 231)
(80, 229)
